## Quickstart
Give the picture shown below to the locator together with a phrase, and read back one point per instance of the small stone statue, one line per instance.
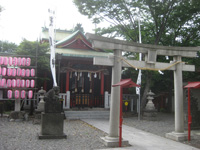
(52, 103)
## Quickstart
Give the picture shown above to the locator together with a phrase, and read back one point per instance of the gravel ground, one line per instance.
(163, 125)
(80, 135)
(23, 136)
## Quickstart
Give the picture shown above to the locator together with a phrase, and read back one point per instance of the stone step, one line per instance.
(87, 114)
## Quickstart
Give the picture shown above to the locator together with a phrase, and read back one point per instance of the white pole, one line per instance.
(139, 73)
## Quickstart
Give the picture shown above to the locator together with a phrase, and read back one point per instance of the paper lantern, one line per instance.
(9, 83)
(32, 72)
(9, 94)
(19, 61)
(10, 61)
(27, 83)
(23, 94)
(14, 61)
(13, 83)
(23, 61)
(23, 83)
(9, 71)
(1, 60)
(16, 94)
(27, 72)
(19, 71)
(30, 94)
(28, 61)
(18, 82)
(32, 83)
(5, 61)
(4, 71)
(14, 72)
(3, 82)
(23, 72)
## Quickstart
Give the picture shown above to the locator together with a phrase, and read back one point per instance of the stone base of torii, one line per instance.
(150, 52)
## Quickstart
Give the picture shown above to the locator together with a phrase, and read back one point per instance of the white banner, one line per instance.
(52, 47)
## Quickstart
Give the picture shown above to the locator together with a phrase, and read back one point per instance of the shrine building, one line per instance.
(86, 83)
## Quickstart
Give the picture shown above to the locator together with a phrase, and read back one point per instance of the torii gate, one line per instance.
(150, 52)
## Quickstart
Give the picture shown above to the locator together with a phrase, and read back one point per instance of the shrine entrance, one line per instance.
(150, 63)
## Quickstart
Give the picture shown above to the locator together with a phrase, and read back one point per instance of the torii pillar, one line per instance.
(150, 52)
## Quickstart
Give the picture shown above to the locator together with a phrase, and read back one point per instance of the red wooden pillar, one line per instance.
(67, 81)
(102, 83)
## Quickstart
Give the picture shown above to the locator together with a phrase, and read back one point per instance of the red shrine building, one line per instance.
(76, 75)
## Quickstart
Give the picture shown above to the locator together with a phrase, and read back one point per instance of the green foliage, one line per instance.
(78, 27)
(7, 47)
(31, 48)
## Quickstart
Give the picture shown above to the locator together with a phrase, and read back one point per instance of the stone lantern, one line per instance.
(150, 112)
(40, 106)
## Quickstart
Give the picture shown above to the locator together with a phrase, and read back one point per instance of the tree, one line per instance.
(78, 27)
(163, 22)
(7, 47)
(30, 48)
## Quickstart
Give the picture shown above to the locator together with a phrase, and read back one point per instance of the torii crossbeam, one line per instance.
(150, 52)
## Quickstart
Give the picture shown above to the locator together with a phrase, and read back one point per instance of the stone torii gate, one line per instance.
(150, 52)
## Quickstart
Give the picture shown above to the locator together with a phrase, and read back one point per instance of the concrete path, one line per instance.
(140, 140)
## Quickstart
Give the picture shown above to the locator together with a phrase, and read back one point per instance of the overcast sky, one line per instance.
(24, 18)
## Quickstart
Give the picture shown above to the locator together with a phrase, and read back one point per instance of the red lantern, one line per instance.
(30, 94)
(19, 71)
(14, 61)
(3, 82)
(13, 83)
(5, 62)
(9, 71)
(32, 72)
(9, 83)
(1, 60)
(23, 61)
(10, 61)
(9, 94)
(19, 61)
(16, 94)
(27, 72)
(14, 72)
(23, 72)
(32, 83)
(28, 61)
(27, 83)
(4, 71)
(23, 94)
(18, 82)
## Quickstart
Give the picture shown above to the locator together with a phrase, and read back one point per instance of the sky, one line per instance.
(25, 18)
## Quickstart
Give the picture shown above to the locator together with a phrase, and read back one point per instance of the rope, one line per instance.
(151, 68)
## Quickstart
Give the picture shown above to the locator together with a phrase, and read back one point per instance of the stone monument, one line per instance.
(150, 112)
(52, 119)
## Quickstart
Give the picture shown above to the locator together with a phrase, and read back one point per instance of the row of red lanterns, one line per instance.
(15, 61)
(17, 94)
(17, 83)
(17, 72)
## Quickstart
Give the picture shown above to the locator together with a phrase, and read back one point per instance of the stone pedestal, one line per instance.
(52, 126)
(113, 141)
(177, 136)
(52, 119)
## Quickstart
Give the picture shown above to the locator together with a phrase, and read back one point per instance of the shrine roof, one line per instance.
(81, 53)
(193, 85)
(76, 41)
